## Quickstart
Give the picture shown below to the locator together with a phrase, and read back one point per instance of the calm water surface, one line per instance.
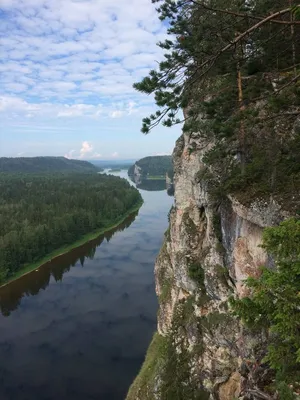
(79, 327)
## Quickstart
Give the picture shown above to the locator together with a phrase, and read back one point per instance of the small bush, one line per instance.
(196, 272)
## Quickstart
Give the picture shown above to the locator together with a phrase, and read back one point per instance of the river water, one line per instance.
(78, 328)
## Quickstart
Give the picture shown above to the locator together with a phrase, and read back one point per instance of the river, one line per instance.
(78, 328)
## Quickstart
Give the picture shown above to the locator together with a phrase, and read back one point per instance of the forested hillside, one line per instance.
(152, 166)
(45, 164)
(40, 213)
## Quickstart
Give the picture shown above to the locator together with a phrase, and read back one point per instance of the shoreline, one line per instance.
(88, 237)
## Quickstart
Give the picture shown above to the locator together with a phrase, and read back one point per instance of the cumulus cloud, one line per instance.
(115, 154)
(86, 149)
(86, 152)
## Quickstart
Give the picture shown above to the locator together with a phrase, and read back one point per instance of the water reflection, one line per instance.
(149, 185)
(79, 328)
(31, 284)
(152, 185)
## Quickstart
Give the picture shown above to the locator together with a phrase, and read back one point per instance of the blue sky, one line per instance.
(66, 74)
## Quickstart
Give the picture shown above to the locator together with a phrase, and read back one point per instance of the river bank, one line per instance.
(29, 268)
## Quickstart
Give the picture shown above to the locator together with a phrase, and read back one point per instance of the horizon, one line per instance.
(117, 161)
(91, 160)
(67, 72)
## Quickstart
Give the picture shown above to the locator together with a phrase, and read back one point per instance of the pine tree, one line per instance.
(234, 68)
(274, 304)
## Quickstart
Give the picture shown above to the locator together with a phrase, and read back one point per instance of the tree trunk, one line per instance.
(242, 127)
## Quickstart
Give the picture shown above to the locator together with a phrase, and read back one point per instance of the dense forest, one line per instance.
(45, 164)
(41, 213)
(113, 164)
(153, 166)
(11, 295)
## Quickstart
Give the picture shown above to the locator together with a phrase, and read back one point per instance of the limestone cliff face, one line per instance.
(211, 246)
(137, 174)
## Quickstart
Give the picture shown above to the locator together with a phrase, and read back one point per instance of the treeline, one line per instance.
(45, 164)
(154, 166)
(41, 213)
(11, 296)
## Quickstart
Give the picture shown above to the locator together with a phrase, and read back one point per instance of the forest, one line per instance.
(154, 166)
(45, 164)
(40, 213)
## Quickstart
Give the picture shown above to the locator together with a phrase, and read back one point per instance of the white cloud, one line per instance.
(75, 110)
(86, 152)
(115, 154)
(70, 154)
(15, 87)
(96, 156)
(86, 149)
(9, 105)
(116, 114)
(67, 70)
(65, 49)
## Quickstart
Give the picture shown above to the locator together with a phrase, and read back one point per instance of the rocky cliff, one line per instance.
(201, 351)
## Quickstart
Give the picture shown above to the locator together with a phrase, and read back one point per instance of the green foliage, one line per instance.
(196, 272)
(284, 242)
(153, 166)
(45, 164)
(275, 301)
(199, 33)
(41, 213)
(166, 288)
(213, 320)
(168, 359)
(177, 382)
(250, 124)
(189, 225)
(144, 383)
(270, 168)
(284, 391)
(216, 220)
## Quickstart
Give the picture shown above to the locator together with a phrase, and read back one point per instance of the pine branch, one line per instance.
(244, 34)
(288, 84)
(243, 15)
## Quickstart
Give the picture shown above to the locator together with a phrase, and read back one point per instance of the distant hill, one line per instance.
(45, 164)
(153, 166)
(120, 164)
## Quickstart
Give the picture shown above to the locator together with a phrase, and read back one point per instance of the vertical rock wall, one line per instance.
(201, 351)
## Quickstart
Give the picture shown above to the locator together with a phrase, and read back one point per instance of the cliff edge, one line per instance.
(201, 351)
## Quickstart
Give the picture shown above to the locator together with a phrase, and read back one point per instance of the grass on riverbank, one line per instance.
(66, 248)
(144, 384)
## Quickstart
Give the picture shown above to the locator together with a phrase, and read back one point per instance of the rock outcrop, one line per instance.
(201, 351)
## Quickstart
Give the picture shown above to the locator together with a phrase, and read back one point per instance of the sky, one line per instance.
(66, 74)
